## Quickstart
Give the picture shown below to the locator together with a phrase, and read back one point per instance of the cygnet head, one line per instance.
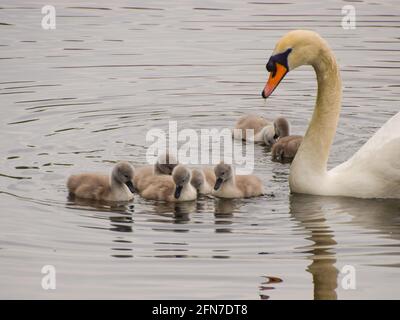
(123, 173)
(278, 151)
(181, 176)
(223, 172)
(198, 179)
(269, 136)
(281, 126)
(166, 164)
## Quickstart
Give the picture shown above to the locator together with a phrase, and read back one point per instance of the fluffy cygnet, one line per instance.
(279, 130)
(172, 189)
(164, 166)
(117, 187)
(285, 149)
(229, 185)
(203, 180)
(251, 122)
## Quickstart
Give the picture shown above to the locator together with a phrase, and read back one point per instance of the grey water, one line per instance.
(82, 96)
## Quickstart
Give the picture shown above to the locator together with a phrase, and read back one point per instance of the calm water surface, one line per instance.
(83, 96)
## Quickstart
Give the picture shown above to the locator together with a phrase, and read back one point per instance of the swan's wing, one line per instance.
(384, 145)
(378, 159)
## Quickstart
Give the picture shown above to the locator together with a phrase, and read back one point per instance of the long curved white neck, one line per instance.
(312, 156)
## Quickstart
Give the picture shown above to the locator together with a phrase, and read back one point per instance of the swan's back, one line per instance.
(376, 164)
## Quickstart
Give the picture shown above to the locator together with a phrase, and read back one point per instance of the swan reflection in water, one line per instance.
(317, 215)
(312, 212)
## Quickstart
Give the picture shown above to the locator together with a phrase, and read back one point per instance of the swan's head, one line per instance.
(123, 173)
(198, 179)
(181, 176)
(294, 49)
(223, 172)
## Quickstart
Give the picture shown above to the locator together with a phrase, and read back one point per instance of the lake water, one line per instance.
(84, 95)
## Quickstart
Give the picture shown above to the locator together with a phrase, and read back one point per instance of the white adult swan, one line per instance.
(374, 170)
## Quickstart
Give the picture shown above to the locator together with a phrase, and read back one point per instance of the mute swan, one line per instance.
(256, 123)
(203, 180)
(287, 145)
(117, 187)
(374, 170)
(164, 166)
(279, 130)
(264, 130)
(268, 136)
(229, 185)
(285, 149)
(172, 189)
(281, 127)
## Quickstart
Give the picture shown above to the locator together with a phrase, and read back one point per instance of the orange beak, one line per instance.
(274, 79)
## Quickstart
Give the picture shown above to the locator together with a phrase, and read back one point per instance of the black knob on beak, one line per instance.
(271, 67)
